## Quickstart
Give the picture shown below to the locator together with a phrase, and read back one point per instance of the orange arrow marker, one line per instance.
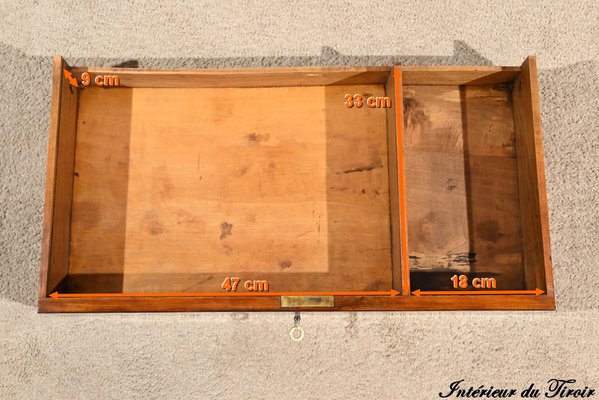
(391, 292)
(70, 78)
(419, 292)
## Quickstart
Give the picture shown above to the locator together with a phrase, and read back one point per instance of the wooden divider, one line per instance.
(397, 198)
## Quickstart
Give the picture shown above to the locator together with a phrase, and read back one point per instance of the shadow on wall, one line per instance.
(462, 55)
(569, 103)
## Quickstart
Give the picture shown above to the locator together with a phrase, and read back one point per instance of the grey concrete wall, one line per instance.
(344, 355)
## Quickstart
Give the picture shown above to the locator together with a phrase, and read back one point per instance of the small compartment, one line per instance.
(462, 185)
(475, 195)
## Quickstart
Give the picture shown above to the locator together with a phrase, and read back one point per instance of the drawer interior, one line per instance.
(163, 187)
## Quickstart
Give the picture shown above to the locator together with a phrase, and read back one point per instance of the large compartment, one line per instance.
(176, 189)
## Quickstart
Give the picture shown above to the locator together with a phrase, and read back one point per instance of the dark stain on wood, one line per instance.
(413, 113)
(285, 264)
(364, 168)
(257, 137)
(461, 259)
(450, 185)
(446, 261)
(225, 230)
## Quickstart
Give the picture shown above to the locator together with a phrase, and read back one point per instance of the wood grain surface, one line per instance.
(276, 183)
(464, 213)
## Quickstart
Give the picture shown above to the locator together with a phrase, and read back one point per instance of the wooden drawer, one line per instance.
(166, 187)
